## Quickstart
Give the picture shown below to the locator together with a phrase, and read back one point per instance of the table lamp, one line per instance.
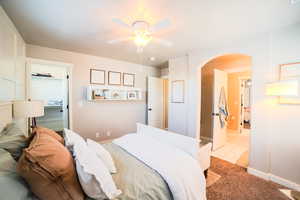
(28, 109)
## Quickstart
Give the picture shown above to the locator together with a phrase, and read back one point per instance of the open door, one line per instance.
(220, 110)
(155, 102)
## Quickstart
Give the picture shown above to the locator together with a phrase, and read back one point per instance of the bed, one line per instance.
(147, 169)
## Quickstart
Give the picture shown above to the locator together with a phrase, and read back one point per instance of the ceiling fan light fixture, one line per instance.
(142, 38)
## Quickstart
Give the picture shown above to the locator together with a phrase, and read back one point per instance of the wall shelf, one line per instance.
(113, 94)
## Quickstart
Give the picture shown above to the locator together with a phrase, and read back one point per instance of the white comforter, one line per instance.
(182, 173)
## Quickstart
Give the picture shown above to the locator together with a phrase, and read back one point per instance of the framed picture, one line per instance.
(97, 76)
(128, 79)
(131, 95)
(114, 78)
(178, 91)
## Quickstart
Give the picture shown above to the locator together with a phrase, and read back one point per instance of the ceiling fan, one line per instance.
(142, 33)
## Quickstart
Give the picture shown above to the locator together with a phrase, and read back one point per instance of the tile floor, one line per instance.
(237, 144)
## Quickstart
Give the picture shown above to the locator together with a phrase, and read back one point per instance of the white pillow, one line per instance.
(72, 138)
(94, 177)
(103, 154)
(184, 143)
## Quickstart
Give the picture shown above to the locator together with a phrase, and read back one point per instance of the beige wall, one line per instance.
(90, 118)
(234, 100)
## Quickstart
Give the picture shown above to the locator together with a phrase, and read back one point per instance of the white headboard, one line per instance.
(5, 114)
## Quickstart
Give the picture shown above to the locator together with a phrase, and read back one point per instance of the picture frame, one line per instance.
(97, 76)
(178, 91)
(114, 78)
(128, 79)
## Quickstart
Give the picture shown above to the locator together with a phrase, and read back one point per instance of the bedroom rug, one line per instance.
(236, 184)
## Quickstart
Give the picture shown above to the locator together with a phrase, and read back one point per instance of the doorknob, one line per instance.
(149, 109)
(215, 114)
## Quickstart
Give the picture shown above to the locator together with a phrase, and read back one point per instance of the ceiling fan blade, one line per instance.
(119, 40)
(160, 25)
(121, 23)
(163, 42)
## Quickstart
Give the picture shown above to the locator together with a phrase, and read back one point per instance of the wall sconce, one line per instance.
(288, 88)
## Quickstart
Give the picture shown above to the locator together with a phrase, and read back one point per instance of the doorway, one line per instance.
(157, 102)
(245, 104)
(221, 100)
(50, 81)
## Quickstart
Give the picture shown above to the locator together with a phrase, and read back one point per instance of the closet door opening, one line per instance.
(50, 82)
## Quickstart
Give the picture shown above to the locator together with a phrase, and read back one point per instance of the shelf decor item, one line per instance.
(128, 79)
(114, 78)
(178, 91)
(132, 95)
(97, 76)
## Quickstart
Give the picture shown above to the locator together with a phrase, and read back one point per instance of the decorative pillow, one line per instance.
(13, 140)
(12, 185)
(103, 154)
(43, 130)
(48, 168)
(93, 175)
(72, 138)
(184, 143)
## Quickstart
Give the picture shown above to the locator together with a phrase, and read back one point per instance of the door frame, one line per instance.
(68, 66)
(241, 79)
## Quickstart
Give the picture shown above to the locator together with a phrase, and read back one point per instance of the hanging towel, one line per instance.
(223, 111)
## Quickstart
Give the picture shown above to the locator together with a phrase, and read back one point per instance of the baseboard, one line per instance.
(258, 173)
(284, 182)
(272, 177)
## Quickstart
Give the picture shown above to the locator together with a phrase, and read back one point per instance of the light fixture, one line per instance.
(152, 58)
(284, 88)
(28, 109)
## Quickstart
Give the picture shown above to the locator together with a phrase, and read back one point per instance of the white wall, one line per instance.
(90, 118)
(284, 130)
(178, 70)
(12, 63)
(274, 132)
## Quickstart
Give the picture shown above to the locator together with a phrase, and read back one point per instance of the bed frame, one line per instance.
(6, 115)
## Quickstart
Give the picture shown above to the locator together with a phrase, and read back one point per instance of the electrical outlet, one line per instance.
(108, 133)
(97, 135)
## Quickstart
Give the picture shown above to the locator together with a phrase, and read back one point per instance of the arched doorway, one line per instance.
(226, 106)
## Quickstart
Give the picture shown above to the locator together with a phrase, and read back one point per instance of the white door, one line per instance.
(219, 130)
(155, 102)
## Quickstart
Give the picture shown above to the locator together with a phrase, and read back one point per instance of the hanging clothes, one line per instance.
(223, 111)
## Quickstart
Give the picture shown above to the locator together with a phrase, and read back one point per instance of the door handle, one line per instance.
(150, 109)
(215, 114)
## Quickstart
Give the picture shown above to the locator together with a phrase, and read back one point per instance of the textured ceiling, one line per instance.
(85, 26)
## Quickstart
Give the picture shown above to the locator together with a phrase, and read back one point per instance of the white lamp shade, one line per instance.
(288, 88)
(23, 109)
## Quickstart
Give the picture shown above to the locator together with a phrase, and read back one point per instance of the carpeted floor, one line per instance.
(236, 184)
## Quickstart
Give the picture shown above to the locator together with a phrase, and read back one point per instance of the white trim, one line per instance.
(274, 178)
(69, 67)
(258, 173)
(285, 182)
